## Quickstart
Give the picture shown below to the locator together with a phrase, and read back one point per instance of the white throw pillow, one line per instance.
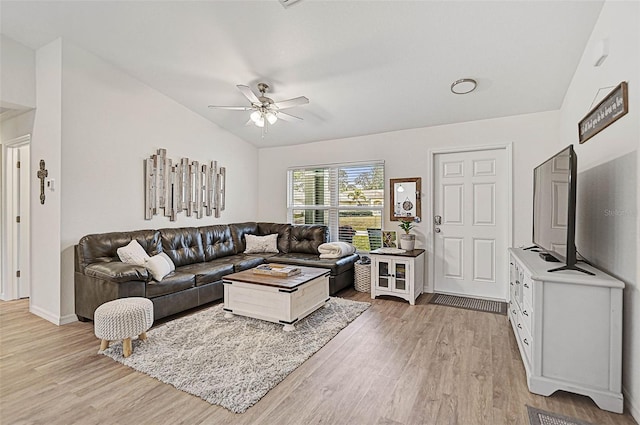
(159, 266)
(166, 257)
(133, 253)
(261, 244)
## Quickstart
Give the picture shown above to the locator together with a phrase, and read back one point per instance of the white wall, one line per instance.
(608, 223)
(17, 92)
(93, 126)
(406, 154)
(17, 79)
(46, 143)
(111, 123)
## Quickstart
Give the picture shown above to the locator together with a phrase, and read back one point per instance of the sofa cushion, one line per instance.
(217, 241)
(245, 262)
(209, 272)
(242, 262)
(117, 271)
(174, 282)
(337, 265)
(307, 238)
(103, 247)
(238, 230)
(283, 231)
(183, 245)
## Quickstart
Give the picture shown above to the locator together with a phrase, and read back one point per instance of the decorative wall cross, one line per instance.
(42, 174)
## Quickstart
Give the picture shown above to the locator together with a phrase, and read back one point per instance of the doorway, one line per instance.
(15, 256)
(471, 221)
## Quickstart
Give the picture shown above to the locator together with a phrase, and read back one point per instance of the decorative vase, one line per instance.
(408, 242)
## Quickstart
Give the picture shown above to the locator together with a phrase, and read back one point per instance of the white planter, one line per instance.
(407, 242)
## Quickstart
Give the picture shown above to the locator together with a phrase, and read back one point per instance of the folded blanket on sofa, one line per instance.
(336, 249)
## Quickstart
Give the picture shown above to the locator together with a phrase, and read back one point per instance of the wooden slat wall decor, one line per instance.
(183, 185)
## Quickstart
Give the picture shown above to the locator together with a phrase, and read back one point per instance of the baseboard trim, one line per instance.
(53, 318)
(631, 404)
(68, 318)
(46, 315)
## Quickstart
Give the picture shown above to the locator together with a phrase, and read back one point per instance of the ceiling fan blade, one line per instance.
(290, 103)
(232, 108)
(246, 91)
(288, 117)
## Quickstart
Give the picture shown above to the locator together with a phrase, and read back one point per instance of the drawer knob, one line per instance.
(513, 311)
(525, 312)
(525, 341)
(519, 326)
(526, 286)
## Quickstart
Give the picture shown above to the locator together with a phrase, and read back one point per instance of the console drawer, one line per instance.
(527, 289)
(526, 342)
(526, 315)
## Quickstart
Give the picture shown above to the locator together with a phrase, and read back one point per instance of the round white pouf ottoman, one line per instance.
(122, 319)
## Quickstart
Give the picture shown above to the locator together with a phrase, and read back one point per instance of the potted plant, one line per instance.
(407, 241)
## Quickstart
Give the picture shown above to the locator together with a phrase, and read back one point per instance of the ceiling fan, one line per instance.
(265, 110)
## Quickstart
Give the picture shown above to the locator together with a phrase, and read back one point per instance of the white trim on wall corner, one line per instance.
(68, 318)
(632, 405)
(46, 315)
(8, 285)
(53, 318)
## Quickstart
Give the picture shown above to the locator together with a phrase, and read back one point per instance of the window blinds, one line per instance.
(348, 198)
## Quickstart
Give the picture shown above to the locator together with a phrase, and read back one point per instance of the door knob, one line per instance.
(437, 220)
(437, 230)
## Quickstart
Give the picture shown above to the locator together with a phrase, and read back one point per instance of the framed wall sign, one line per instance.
(613, 107)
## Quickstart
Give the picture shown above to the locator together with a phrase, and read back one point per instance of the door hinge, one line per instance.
(18, 164)
(18, 273)
(17, 219)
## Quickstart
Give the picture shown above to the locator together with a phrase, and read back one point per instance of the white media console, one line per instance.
(568, 326)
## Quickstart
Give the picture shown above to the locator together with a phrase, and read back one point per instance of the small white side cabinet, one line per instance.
(568, 326)
(400, 275)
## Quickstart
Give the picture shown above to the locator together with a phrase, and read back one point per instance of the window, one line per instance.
(348, 198)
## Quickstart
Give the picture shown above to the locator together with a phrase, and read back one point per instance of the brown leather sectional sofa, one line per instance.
(202, 256)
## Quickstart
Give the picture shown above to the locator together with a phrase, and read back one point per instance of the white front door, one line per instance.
(470, 223)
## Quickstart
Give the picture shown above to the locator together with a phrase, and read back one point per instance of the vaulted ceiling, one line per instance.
(366, 66)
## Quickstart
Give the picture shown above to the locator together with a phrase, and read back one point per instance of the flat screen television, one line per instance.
(554, 209)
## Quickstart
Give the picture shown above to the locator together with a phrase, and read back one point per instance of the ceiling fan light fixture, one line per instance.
(271, 117)
(464, 86)
(255, 116)
(264, 111)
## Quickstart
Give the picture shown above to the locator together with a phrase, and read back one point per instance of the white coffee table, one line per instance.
(283, 300)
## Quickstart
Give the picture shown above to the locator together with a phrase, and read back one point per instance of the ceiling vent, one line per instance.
(287, 3)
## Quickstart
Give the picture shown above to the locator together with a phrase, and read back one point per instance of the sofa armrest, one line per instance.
(117, 271)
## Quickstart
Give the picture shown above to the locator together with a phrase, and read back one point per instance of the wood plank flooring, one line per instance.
(395, 364)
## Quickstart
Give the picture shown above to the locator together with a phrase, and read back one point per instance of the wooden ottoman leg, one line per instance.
(126, 347)
(104, 344)
(142, 336)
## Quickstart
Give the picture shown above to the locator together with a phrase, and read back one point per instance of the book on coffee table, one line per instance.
(277, 270)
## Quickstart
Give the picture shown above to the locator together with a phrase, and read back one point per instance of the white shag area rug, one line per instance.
(233, 362)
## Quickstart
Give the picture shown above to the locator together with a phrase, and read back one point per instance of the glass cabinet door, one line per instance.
(401, 277)
(383, 274)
